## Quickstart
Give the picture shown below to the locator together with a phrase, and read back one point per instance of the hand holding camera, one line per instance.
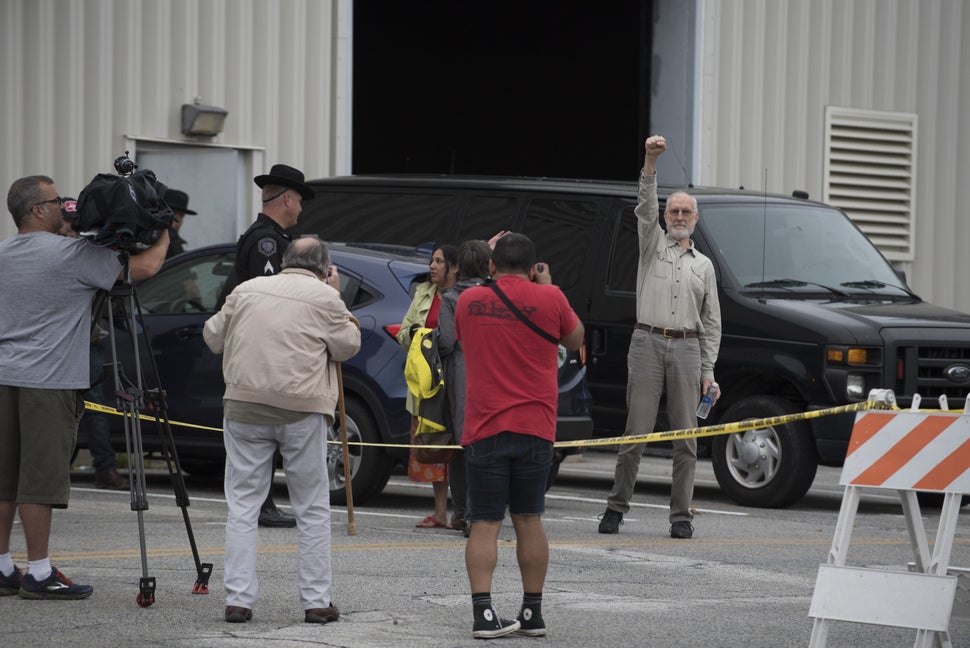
(333, 278)
(540, 274)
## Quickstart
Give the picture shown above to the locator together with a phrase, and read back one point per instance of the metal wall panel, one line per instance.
(770, 68)
(82, 78)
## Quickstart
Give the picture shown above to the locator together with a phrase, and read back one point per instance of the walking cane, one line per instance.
(351, 523)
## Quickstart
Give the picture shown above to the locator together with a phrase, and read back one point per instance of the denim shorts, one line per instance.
(507, 469)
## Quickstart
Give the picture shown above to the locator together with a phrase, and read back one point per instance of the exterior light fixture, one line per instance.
(204, 121)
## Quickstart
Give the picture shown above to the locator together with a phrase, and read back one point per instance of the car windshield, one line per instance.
(797, 248)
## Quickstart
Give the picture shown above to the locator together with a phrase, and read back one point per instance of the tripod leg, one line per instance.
(203, 570)
(130, 403)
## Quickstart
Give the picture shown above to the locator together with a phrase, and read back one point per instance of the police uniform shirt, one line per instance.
(260, 250)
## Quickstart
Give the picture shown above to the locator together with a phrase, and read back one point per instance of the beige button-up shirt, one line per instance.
(676, 288)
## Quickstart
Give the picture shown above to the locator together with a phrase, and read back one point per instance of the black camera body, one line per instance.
(127, 211)
(124, 165)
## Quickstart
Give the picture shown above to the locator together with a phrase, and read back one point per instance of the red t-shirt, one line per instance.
(511, 373)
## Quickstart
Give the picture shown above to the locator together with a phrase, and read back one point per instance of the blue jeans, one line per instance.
(507, 468)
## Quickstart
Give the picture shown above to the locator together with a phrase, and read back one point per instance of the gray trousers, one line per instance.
(655, 361)
(249, 473)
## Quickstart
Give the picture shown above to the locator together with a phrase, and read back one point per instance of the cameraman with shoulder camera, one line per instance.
(44, 369)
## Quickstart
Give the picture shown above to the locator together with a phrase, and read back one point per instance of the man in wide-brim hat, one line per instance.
(178, 201)
(282, 176)
(259, 252)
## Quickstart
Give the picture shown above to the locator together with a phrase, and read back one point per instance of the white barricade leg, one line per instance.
(837, 554)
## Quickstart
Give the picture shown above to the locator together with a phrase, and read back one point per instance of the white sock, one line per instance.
(6, 564)
(40, 569)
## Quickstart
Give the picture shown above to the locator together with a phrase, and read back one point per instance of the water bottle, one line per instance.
(704, 407)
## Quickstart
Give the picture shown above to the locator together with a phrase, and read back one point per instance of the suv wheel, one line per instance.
(370, 466)
(769, 467)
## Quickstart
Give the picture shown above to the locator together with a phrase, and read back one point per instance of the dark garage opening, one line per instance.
(544, 88)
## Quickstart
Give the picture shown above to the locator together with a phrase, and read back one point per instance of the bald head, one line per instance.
(308, 253)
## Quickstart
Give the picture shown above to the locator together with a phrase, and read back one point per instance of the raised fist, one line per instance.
(655, 145)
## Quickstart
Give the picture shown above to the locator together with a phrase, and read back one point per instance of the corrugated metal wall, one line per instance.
(78, 76)
(769, 68)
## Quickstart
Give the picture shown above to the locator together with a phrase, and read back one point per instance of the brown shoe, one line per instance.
(236, 614)
(110, 479)
(322, 615)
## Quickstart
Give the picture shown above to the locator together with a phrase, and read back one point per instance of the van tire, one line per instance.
(766, 468)
(370, 465)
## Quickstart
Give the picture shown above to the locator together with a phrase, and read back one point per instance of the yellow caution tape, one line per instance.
(104, 409)
(653, 437)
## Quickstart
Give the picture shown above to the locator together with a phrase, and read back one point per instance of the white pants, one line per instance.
(249, 472)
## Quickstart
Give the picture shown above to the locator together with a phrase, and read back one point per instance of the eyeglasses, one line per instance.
(58, 200)
(680, 212)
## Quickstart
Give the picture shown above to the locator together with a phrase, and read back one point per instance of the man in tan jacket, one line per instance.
(280, 336)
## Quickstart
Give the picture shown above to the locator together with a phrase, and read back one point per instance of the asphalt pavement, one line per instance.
(745, 579)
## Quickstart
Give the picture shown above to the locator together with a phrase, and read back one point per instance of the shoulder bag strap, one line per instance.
(525, 320)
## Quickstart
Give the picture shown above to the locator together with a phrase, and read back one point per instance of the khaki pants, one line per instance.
(655, 362)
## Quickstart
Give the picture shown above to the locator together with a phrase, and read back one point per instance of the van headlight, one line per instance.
(855, 386)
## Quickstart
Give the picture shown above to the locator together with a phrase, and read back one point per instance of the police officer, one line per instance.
(259, 252)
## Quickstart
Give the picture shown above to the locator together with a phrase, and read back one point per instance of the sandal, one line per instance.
(431, 522)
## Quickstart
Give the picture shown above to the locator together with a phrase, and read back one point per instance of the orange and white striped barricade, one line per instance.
(905, 451)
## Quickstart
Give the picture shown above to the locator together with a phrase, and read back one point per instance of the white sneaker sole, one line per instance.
(499, 632)
(534, 632)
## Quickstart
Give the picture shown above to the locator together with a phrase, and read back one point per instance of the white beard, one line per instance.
(680, 233)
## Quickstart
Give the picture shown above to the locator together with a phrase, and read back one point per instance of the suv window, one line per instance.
(192, 286)
(486, 216)
(622, 276)
(555, 225)
(399, 213)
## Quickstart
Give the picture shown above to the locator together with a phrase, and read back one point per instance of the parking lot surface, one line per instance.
(745, 579)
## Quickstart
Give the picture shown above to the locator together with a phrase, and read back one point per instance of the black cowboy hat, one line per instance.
(178, 201)
(285, 176)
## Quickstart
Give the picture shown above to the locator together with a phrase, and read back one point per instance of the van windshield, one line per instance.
(797, 248)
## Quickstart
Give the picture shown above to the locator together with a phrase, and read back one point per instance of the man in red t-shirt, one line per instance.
(510, 422)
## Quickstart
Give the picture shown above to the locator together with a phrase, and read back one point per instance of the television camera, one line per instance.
(127, 210)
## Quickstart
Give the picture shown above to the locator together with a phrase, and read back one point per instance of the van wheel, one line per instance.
(770, 467)
(370, 466)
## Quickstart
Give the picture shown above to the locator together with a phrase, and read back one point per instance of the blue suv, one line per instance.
(377, 282)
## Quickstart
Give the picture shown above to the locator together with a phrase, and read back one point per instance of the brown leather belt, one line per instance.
(666, 332)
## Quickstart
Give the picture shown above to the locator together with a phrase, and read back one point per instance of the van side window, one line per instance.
(624, 253)
(347, 216)
(561, 229)
(488, 215)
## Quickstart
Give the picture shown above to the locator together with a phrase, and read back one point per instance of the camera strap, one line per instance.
(525, 320)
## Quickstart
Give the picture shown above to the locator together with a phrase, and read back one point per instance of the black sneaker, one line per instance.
(458, 523)
(531, 623)
(682, 529)
(273, 517)
(55, 586)
(488, 624)
(10, 585)
(610, 521)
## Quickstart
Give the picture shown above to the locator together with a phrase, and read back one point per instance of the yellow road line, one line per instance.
(458, 543)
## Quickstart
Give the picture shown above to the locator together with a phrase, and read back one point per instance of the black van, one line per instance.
(813, 314)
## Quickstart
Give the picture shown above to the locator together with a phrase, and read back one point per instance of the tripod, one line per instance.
(132, 399)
